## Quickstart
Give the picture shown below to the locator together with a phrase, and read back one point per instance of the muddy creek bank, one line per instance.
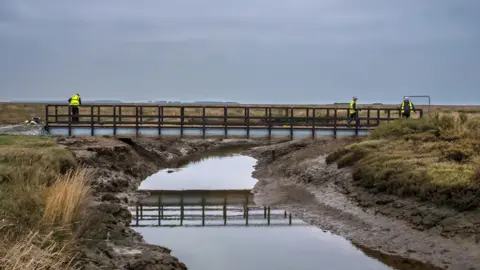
(119, 167)
(295, 176)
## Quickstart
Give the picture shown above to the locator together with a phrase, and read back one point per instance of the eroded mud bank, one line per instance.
(120, 166)
(295, 175)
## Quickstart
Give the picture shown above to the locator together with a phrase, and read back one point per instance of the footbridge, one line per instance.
(245, 121)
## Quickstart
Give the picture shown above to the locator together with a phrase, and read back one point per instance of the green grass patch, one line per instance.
(434, 159)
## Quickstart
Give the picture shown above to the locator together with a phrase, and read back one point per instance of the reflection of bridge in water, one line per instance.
(170, 208)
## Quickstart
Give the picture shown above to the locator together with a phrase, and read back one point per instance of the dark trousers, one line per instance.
(351, 117)
(406, 115)
(75, 113)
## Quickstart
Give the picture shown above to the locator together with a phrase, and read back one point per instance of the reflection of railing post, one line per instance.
(203, 210)
(246, 219)
(159, 210)
(265, 212)
(268, 215)
(136, 214)
(181, 210)
(225, 211)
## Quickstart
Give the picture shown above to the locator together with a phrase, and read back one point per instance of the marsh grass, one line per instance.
(434, 159)
(35, 252)
(43, 200)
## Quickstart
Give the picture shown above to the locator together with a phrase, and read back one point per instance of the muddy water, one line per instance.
(300, 246)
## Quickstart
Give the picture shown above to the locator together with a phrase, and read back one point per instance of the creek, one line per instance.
(216, 245)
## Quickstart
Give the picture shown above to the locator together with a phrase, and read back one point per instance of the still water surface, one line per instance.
(227, 172)
(262, 248)
(246, 248)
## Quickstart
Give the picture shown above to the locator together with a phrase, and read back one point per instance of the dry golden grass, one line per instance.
(66, 197)
(42, 203)
(36, 252)
(435, 159)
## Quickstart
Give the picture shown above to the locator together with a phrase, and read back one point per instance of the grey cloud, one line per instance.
(251, 51)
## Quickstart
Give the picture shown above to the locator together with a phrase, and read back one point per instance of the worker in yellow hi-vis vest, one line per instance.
(407, 107)
(352, 111)
(75, 101)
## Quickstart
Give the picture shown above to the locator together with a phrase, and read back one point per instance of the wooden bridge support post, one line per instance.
(265, 212)
(290, 219)
(246, 219)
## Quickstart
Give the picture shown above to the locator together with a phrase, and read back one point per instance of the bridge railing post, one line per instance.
(92, 123)
(203, 122)
(270, 123)
(368, 116)
(314, 113)
(159, 121)
(114, 120)
(136, 121)
(69, 120)
(47, 108)
(291, 123)
(335, 114)
(357, 124)
(56, 113)
(247, 120)
(225, 118)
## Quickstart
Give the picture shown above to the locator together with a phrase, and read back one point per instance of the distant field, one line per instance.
(14, 113)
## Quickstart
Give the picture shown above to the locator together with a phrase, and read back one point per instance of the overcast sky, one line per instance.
(252, 51)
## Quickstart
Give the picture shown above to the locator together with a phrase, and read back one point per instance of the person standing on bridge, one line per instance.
(352, 112)
(75, 101)
(406, 107)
